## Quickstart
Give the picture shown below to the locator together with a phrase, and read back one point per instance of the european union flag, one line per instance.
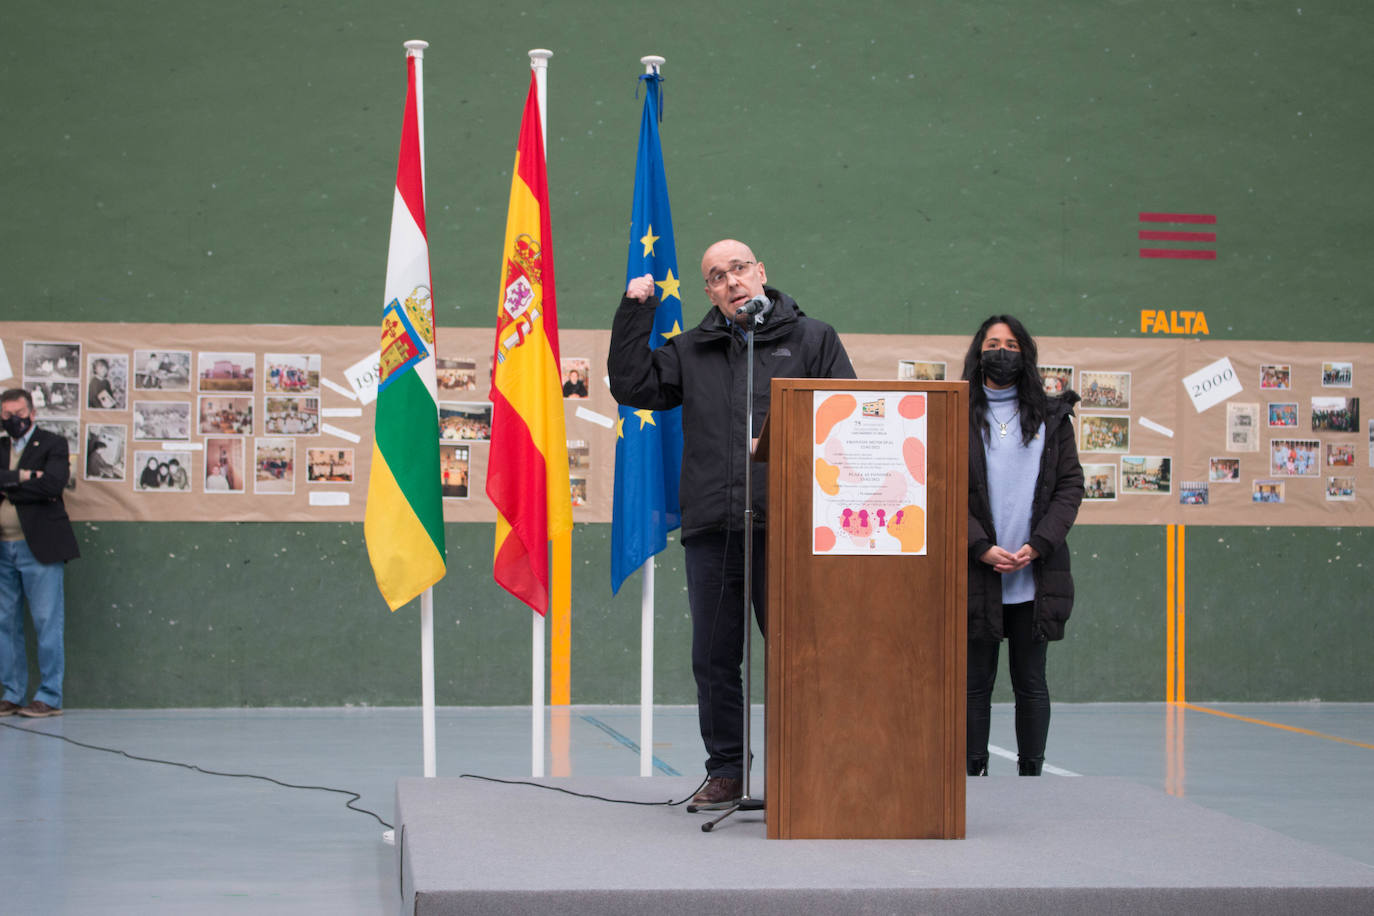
(648, 448)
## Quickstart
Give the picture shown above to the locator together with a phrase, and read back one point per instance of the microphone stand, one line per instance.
(746, 802)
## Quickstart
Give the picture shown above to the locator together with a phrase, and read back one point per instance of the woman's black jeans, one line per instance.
(1026, 656)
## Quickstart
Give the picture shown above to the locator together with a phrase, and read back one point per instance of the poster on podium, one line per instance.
(869, 479)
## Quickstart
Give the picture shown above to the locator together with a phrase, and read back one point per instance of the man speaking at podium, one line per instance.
(703, 370)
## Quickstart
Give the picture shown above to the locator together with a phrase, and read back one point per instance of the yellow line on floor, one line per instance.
(1287, 728)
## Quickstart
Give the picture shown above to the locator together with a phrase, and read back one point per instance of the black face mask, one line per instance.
(16, 426)
(1001, 367)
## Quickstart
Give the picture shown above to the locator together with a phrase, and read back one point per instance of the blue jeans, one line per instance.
(22, 576)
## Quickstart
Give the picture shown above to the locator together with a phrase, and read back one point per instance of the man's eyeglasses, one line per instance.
(716, 278)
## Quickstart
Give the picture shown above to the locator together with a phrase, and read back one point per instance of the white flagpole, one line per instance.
(427, 679)
(651, 64)
(536, 694)
(539, 63)
(646, 671)
(416, 49)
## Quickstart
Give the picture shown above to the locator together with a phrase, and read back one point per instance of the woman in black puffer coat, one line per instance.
(1025, 486)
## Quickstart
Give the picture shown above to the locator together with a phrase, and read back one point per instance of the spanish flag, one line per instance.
(527, 476)
(404, 523)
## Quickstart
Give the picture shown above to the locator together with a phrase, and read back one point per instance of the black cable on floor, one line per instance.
(191, 766)
(614, 801)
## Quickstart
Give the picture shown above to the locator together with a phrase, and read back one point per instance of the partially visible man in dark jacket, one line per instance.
(703, 370)
(36, 541)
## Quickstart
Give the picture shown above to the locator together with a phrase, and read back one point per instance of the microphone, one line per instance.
(753, 306)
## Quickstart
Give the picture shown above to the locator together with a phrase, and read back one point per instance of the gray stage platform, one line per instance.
(1085, 845)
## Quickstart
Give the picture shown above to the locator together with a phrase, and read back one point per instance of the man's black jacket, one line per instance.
(702, 370)
(38, 500)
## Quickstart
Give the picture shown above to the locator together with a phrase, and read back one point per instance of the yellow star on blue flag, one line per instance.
(669, 285)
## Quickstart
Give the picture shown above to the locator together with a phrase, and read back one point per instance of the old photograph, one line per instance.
(1277, 377)
(226, 371)
(162, 471)
(1105, 390)
(1099, 482)
(162, 370)
(1057, 379)
(464, 422)
(1335, 415)
(105, 455)
(226, 416)
(1283, 415)
(453, 471)
(162, 420)
(1338, 374)
(579, 456)
(1104, 433)
(224, 465)
(1340, 489)
(274, 465)
(575, 371)
(915, 370)
(455, 374)
(1145, 474)
(291, 373)
(1223, 470)
(291, 416)
(1192, 492)
(329, 465)
(1295, 457)
(1340, 455)
(55, 399)
(107, 381)
(45, 361)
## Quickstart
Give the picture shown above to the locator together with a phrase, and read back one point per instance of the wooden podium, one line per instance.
(866, 659)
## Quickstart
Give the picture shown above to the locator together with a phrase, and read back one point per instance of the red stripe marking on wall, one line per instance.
(1178, 218)
(1148, 235)
(1187, 254)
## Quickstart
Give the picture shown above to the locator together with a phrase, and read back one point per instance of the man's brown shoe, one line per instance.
(7, 708)
(39, 710)
(718, 790)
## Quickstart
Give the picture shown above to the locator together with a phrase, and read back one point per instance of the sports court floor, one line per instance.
(87, 831)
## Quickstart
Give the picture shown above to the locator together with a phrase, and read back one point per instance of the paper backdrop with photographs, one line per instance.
(1175, 430)
(191, 422)
(195, 422)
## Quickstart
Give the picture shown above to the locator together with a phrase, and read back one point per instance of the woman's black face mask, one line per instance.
(1001, 367)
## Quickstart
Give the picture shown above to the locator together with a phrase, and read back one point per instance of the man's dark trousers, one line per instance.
(715, 591)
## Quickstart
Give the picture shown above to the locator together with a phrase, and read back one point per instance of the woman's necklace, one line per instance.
(1001, 426)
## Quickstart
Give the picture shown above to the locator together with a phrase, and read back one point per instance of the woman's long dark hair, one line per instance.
(1030, 389)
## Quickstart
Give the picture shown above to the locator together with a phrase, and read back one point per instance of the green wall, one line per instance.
(903, 168)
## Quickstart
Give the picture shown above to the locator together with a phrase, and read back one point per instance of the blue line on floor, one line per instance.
(622, 739)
